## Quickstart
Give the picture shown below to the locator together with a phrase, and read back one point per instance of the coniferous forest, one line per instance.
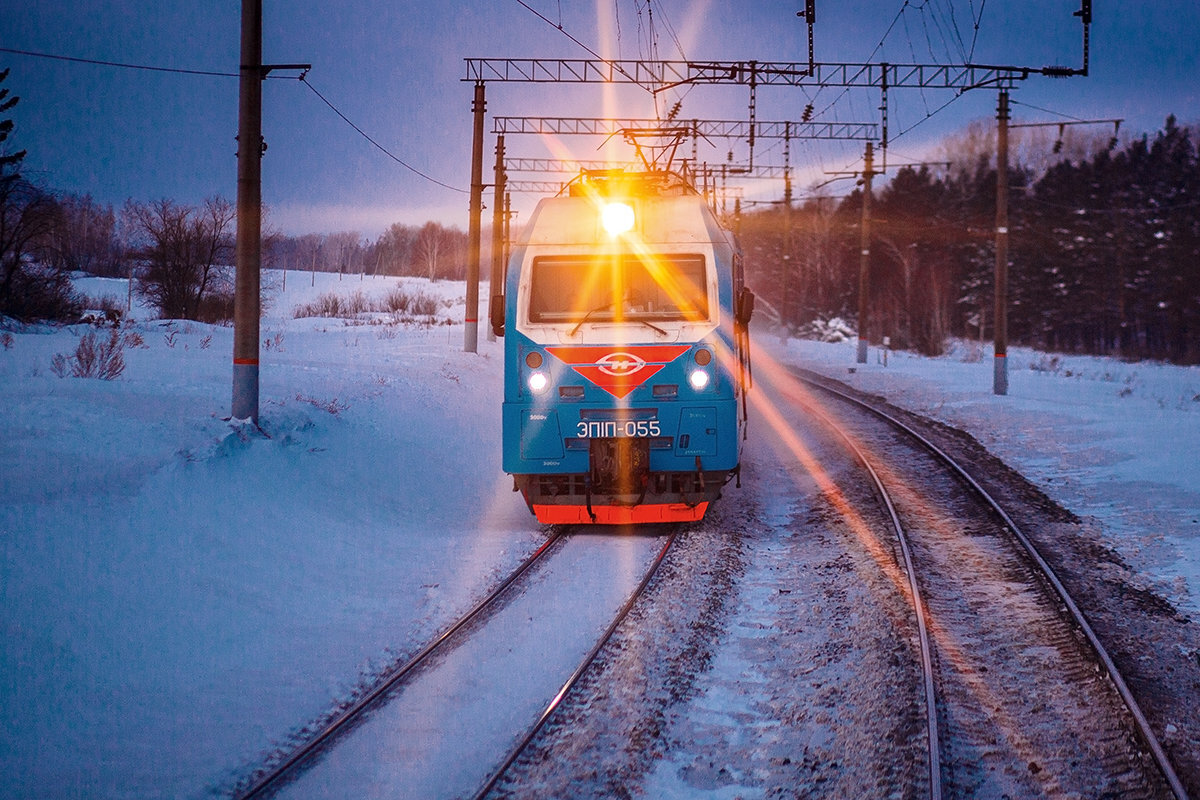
(1104, 253)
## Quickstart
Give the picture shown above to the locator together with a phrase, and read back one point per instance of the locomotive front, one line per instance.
(626, 354)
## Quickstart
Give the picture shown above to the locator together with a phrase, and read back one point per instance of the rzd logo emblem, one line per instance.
(621, 364)
(618, 372)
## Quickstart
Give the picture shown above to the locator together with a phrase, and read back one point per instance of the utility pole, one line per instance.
(496, 282)
(248, 255)
(471, 326)
(864, 261)
(247, 302)
(1000, 311)
(785, 316)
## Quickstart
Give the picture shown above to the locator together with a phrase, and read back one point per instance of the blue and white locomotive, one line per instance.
(626, 353)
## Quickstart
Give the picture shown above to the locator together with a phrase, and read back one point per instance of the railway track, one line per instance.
(1021, 697)
(381, 716)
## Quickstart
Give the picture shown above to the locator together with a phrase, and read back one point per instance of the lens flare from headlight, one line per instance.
(617, 218)
(538, 382)
(698, 379)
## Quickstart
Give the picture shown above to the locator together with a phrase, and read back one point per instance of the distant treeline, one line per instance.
(180, 257)
(1104, 253)
(1104, 249)
(431, 250)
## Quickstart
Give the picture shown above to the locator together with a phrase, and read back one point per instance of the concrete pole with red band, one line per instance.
(246, 301)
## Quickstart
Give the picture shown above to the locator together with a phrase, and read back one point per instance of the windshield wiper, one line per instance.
(586, 316)
(650, 325)
(610, 304)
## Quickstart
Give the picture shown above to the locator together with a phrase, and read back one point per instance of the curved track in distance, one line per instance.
(1044, 572)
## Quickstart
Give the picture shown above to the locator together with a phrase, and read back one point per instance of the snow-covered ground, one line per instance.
(1113, 441)
(178, 595)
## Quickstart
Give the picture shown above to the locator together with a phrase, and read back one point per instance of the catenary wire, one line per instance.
(213, 73)
(1046, 110)
(381, 148)
(119, 64)
(592, 52)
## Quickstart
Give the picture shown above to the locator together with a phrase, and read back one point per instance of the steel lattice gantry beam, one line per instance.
(547, 165)
(709, 129)
(560, 165)
(535, 187)
(656, 76)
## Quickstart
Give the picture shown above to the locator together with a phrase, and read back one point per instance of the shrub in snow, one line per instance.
(830, 330)
(101, 317)
(331, 406)
(104, 309)
(399, 301)
(972, 353)
(327, 305)
(396, 301)
(1046, 363)
(92, 359)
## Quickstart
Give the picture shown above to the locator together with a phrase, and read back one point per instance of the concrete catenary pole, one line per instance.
(1000, 311)
(246, 302)
(864, 261)
(496, 280)
(785, 313)
(471, 326)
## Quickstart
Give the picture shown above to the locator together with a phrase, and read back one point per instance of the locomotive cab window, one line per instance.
(613, 288)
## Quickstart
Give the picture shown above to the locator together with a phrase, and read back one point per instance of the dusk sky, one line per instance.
(396, 70)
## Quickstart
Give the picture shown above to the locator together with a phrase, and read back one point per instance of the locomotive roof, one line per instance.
(667, 209)
(621, 183)
(683, 218)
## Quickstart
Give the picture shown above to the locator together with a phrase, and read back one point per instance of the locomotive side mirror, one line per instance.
(745, 307)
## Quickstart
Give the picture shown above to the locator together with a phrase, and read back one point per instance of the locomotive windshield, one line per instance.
(612, 288)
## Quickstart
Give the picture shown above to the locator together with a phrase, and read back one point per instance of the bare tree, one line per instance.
(82, 238)
(343, 250)
(29, 289)
(185, 253)
(428, 247)
(395, 248)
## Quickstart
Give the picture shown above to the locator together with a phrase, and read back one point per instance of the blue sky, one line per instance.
(396, 70)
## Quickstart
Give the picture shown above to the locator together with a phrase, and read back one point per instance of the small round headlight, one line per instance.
(538, 382)
(533, 359)
(698, 379)
(703, 357)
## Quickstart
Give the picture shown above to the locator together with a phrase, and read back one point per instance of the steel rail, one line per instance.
(352, 712)
(579, 671)
(1149, 739)
(919, 610)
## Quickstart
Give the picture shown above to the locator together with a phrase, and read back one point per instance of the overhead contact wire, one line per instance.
(558, 27)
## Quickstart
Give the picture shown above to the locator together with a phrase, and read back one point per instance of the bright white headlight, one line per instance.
(538, 382)
(698, 379)
(617, 218)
